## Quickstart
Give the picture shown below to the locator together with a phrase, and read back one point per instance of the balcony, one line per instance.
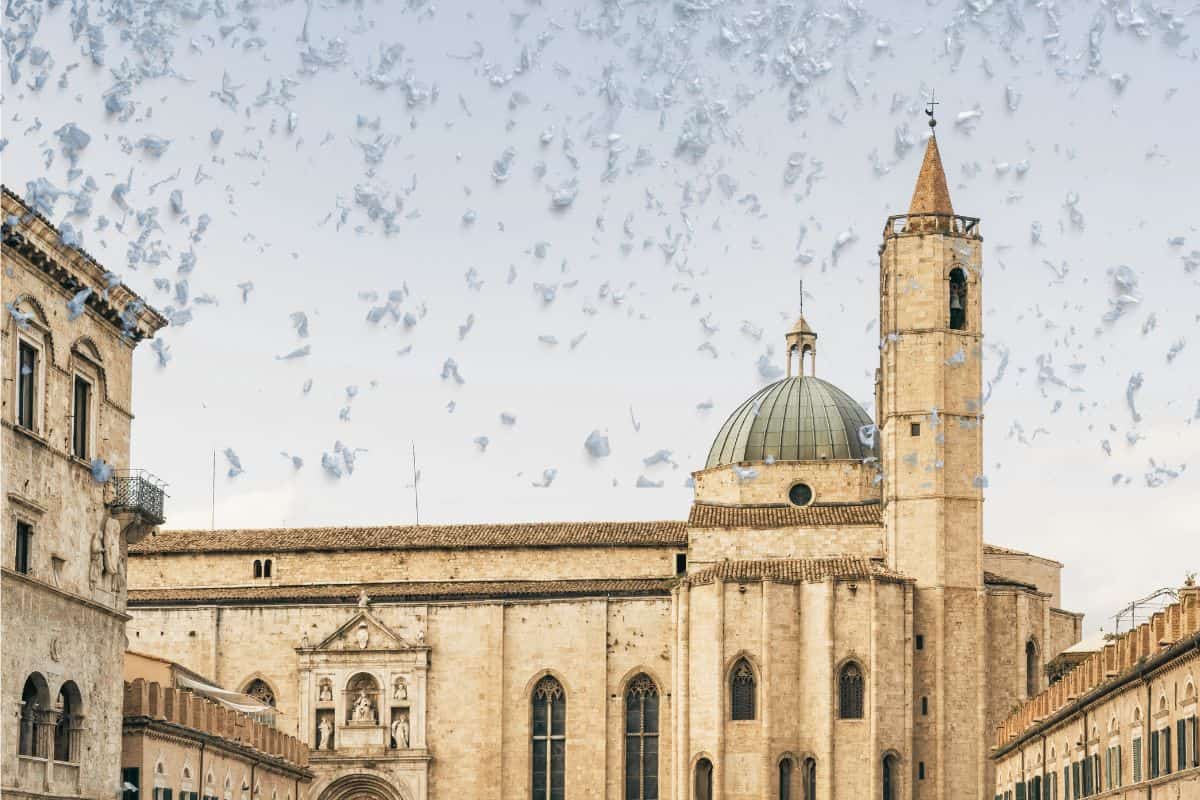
(901, 224)
(137, 493)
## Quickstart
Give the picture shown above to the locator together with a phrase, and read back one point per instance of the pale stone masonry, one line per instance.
(66, 403)
(1121, 725)
(827, 624)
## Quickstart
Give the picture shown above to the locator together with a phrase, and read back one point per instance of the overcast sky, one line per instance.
(601, 213)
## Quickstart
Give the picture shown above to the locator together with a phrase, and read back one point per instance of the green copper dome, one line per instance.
(795, 419)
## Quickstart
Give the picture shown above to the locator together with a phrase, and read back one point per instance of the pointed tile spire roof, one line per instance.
(931, 195)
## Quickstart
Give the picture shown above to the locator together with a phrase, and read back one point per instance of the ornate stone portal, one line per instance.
(362, 700)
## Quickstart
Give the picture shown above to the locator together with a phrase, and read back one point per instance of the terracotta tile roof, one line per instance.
(800, 570)
(992, 579)
(668, 533)
(705, 515)
(405, 591)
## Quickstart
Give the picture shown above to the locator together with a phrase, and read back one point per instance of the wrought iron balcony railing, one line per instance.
(136, 491)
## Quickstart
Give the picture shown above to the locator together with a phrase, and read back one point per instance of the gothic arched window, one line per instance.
(260, 690)
(958, 299)
(549, 740)
(641, 739)
(742, 690)
(850, 691)
(702, 785)
(1031, 668)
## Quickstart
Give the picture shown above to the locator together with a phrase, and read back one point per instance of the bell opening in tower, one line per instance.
(958, 299)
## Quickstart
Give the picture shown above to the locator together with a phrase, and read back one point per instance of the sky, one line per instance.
(472, 234)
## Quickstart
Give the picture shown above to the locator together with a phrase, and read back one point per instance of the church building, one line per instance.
(827, 623)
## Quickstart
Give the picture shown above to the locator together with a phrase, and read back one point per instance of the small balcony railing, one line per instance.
(901, 224)
(136, 491)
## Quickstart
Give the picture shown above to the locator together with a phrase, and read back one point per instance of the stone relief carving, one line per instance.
(325, 691)
(96, 567)
(362, 635)
(399, 688)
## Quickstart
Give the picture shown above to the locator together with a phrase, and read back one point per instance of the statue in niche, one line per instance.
(399, 689)
(400, 730)
(325, 734)
(325, 691)
(362, 636)
(364, 709)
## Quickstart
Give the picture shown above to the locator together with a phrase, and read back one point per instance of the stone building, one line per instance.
(827, 623)
(67, 341)
(179, 745)
(1121, 725)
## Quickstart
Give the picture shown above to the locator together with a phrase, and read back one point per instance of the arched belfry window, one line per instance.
(702, 786)
(958, 299)
(257, 568)
(549, 740)
(641, 739)
(742, 690)
(808, 778)
(1031, 668)
(850, 691)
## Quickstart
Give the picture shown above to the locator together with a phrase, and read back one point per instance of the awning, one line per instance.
(235, 700)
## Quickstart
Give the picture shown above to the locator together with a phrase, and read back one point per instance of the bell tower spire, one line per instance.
(931, 453)
(801, 341)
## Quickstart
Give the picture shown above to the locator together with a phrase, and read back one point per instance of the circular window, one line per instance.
(801, 494)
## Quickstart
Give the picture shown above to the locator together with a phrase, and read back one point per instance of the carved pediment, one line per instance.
(363, 632)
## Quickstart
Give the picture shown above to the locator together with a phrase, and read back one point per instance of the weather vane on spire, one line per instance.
(929, 108)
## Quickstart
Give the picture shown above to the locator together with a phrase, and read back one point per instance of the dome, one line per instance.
(796, 419)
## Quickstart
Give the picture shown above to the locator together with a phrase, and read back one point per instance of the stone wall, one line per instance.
(67, 611)
(148, 571)
(832, 481)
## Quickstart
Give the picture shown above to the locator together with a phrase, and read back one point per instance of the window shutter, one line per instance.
(1137, 760)
(1165, 733)
(1075, 779)
(1181, 740)
(1154, 755)
(1020, 791)
(1118, 765)
(1195, 742)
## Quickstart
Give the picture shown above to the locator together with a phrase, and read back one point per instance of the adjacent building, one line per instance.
(827, 623)
(1121, 725)
(188, 745)
(71, 503)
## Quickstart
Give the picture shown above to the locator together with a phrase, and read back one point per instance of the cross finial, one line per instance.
(929, 108)
(802, 297)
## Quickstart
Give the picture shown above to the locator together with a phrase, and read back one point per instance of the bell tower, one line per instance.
(928, 393)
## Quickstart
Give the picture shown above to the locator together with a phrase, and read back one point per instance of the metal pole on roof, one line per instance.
(416, 487)
(212, 519)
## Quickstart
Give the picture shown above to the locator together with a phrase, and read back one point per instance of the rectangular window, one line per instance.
(680, 563)
(27, 373)
(1181, 743)
(130, 783)
(1165, 749)
(1137, 760)
(920, 642)
(24, 547)
(80, 430)
(1154, 755)
(920, 770)
(914, 429)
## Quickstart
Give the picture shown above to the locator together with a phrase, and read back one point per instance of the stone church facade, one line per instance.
(827, 623)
